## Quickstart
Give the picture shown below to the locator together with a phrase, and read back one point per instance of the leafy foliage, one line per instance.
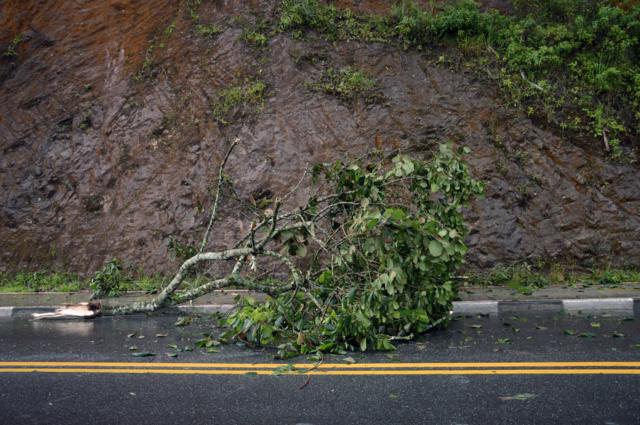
(108, 281)
(179, 249)
(249, 93)
(254, 38)
(573, 63)
(346, 84)
(13, 46)
(386, 272)
(39, 281)
(208, 30)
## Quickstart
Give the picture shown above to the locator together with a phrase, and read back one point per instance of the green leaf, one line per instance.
(618, 334)
(587, 335)
(183, 321)
(435, 248)
(142, 354)
(172, 354)
(348, 360)
(284, 369)
(363, 344)
(569, 332)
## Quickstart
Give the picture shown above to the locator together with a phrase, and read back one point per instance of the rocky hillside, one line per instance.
(114, 115)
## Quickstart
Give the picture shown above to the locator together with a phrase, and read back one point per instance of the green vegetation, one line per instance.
(108, 281)
(389, 271)
(193, 7)
(148, 70)
(180, 250)
(208, 30)
(526, 278)
(254, 38)
(13, 45)
(250, 93)
(346, 84)
(572, 63)
(298, 16)
(39, 282)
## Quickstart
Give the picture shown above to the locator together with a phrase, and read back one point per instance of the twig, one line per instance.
(605, 139)
(297, 185)
(534, 85)
(214, 208)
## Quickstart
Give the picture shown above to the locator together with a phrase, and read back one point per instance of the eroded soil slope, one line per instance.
(109, 147)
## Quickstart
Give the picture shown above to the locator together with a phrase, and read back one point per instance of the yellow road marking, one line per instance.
(332, 372)
(432, 365)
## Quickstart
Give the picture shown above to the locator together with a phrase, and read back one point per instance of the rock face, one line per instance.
(108, 144)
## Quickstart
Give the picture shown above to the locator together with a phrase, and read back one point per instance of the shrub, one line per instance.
(109, 281)
(249, 93)
(346, 84)
(208, 30)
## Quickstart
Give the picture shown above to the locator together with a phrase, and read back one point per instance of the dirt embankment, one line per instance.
(108, 144)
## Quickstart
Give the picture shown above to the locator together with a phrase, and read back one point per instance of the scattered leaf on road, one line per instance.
(595, 324)
(587, 335)
(569, 332)
(476, 326)
(133, 348)
(172, 354)
(504, 341)
(349, 360)
(618, 334)
(173, 346)
(541, 328)
(161, 335)
(131, 335)
(284, 369)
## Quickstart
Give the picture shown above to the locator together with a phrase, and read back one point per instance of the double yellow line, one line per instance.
(328, 369)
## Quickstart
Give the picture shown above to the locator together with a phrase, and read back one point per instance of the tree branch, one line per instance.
(214, 208)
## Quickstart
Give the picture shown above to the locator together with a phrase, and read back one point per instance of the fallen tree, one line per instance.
(368, 259)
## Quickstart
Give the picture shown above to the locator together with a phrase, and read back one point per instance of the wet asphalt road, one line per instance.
(74, 398)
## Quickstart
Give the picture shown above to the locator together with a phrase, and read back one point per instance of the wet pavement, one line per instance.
(461, 398)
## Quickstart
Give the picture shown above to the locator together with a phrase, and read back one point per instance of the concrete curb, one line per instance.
(625, 307)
